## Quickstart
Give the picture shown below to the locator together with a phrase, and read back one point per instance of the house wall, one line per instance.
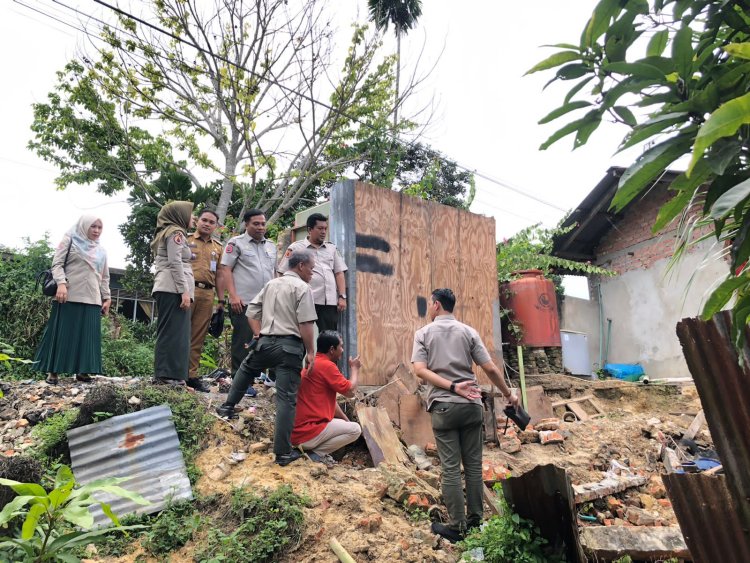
(644, 300)
(582, 315)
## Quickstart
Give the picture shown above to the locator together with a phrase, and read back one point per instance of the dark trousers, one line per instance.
(241, 335)
(172, 350)
(328, 317)
(286, 355)
(458, 434)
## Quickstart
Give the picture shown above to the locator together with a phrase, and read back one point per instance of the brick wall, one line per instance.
(630, 244)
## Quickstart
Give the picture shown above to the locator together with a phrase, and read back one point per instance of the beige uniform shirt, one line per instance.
(172, 264)
(83, 283)
(205, 258)
(252, 263)
(328, 262)
(282, 305)
(449, 347)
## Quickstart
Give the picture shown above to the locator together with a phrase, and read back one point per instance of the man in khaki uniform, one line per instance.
(328, 282)
(442, 356)
(206, 253)
(248, 263)
(281, 317)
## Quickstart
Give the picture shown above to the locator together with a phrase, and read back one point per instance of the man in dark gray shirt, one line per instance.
(443, 354)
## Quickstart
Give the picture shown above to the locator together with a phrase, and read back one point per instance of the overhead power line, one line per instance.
(283, 87)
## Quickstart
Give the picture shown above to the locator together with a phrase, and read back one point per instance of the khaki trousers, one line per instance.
(200, 317)
(337, 434)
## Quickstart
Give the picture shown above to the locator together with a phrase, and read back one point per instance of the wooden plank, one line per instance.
(568, 401)
(539, 405)
(388, 399)
(491, 499)
(490, 420)
(640, 543)
(578, 411)
(416, 424)
(695, 426)
(380, 437)
(597, 407)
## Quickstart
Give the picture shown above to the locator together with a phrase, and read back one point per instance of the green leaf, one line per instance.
(682, 52)
(657, 43)
(577, 88)
(724, 122)
(592, 120)
(562, 110)
(107, 509)
(63, 476)
(562, 132)
(626, 115)
(685, 186)
(59, 495)
(648, 166)
(27, 489)
(731, 199)
(648, 129)
(78, 515)
(722, 294)
(599, 21)
(554, 61)
(636, 70)
(32, 517)
(572, 71)
(75, 539)
(740, 50)
(13, 506)
(124, 493)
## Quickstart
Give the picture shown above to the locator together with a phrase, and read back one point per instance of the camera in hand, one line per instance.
(517, 415)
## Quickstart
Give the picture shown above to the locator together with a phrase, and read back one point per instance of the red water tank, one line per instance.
(531, 298)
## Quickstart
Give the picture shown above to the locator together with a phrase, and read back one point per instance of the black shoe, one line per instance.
(226, 411)
(286, 459)
(447, 532)
(197, 384)
(84, 378)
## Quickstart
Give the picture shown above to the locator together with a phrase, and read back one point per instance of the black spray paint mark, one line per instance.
(371, 265)
(373, 242)
(421, 306)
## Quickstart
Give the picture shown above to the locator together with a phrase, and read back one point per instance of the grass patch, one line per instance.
(50, 442)
(173, 528)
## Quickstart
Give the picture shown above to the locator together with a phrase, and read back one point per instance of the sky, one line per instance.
(485, 117)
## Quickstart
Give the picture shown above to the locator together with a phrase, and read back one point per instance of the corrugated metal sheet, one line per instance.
(143, 446)
(545, 496)
(708, 517)
(724, 389)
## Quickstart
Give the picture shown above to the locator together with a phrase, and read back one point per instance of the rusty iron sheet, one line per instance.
(724, 389)
(545, 496)
(143, 446)
(708, 517)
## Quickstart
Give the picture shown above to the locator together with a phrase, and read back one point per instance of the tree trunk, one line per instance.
(398, 76)
(227, 187)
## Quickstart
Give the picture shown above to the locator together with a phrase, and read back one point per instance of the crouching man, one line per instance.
(320, 426)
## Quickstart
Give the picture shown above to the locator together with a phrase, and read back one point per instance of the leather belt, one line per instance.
(204, 285)
(289, 336)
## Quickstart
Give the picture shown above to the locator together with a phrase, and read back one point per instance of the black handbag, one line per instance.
(47, 281)
(216, 326)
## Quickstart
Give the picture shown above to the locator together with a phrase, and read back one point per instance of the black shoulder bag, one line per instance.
(47, 281)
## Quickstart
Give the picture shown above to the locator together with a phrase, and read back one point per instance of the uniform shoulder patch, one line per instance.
(230, 248)
(177, 238)
(288, 253)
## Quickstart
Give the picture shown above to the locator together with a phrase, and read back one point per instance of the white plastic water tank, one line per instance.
(575, 352)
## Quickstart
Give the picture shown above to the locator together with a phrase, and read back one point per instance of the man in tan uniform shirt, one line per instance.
(206, 253)
(281, 318)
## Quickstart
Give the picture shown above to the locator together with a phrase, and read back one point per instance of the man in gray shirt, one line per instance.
(247, 264)
(443, 354)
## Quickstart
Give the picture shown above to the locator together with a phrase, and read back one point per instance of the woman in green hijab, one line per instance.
(173, 292)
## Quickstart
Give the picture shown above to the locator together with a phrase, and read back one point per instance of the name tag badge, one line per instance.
(213, 265)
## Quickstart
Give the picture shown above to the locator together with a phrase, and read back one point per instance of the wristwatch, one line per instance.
(342, 296)
(453, 387)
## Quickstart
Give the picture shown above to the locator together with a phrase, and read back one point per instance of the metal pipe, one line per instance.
(609, 337)
(601, 327)
(519, 351)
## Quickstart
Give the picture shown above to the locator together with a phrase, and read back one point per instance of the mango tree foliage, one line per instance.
(228, 92)
(676, 72)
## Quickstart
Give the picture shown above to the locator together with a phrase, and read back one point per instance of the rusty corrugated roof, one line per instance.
(724, 389)
(708, 518)
(143, 446)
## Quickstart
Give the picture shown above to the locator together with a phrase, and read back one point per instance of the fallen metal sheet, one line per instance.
(724, 389)
(639, 542)
(143, 446)
(708, 517)
(544, 495)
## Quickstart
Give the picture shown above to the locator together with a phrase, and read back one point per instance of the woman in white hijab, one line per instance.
(72, 339)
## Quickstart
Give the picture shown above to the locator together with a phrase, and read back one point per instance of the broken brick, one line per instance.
(640, 517)
(494, 471)
(548, 424)
(664, 502)
(613, 503)
(551, 437)
(655, 487)
(371, 523)
(417, 502)
(510, 444)
(528, 436)
(430, 448)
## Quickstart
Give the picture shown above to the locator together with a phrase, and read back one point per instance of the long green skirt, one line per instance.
(72, 341)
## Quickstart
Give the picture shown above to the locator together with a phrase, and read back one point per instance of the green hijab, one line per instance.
(173, 218)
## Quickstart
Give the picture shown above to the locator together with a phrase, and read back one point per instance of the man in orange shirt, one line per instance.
(320, 426)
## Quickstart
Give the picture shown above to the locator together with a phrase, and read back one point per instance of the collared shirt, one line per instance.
(83, 283)
(205, 257)
(449, 347)
(172, 266)
(252, 264)
(316, 399)
(282, 305)
(328, 262)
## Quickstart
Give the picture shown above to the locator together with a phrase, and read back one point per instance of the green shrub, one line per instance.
(50, 442)
(263, 528)
(508, 538)
(132, 353)
(173, 528)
